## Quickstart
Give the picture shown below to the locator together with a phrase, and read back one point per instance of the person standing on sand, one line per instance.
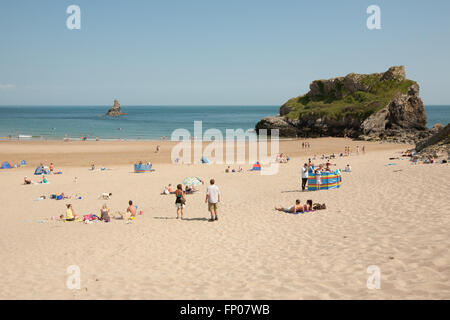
(304, 176)
(180, 201)
(318, 176)
(213, 199)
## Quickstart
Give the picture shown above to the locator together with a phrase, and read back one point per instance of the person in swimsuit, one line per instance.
(70, 213)
(298, 207)
(318, 181)
(179, 196)
(131, 209)
(104, 213)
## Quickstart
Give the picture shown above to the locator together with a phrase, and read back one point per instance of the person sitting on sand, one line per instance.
(27, 180)
(70, 213)
(165, 191)
(348, 168)
(170, 188)
(298, 207)
(51, 167)
(104, 213)
(93, 167)
(105, 196)
(309, 205)
(44, 180)
(131, 209)
(228, 169)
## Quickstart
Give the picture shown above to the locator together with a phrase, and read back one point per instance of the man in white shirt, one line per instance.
(304, 176)
(213, 199)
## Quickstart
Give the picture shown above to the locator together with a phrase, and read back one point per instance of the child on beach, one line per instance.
(104, 213)
(318, 181)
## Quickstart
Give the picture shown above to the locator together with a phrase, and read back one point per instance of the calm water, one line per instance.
(145, 122)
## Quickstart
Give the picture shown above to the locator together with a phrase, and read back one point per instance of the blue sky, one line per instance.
(192, 52)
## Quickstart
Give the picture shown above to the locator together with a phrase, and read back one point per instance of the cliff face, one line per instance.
(115, 110)
(370, 107)
(437, 145)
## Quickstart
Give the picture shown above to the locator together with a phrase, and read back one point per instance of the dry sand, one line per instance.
(394, 217)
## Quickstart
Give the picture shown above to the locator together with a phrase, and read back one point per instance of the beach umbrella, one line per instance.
(191, 181)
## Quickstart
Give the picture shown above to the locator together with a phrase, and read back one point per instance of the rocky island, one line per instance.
(115, 110)
(379, 106)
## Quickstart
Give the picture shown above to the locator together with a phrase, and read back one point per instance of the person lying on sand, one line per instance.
(168, 190)
(190, 190)
(298, 207)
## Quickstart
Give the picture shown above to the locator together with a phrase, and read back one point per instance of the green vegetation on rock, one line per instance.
(337, 101)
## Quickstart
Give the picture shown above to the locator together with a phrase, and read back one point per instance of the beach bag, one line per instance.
(183, 201)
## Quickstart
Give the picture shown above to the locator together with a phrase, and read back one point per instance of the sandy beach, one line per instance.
(394, 217)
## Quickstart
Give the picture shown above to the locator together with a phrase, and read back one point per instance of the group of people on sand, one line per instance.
(297, 207)
(307, 167)
(229, 169)
(187, 189)
(306, 145)
(105, 214)
(282, 158)
(212, 199)
(348, 151)
(27, 180)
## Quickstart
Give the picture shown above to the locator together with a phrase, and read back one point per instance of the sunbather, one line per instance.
(131, 209)
(70, 213)
(104, 213)
(298, 207)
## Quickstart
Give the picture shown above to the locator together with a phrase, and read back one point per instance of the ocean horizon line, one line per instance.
(169, 105)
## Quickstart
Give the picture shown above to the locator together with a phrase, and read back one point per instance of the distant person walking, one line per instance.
(304, 176)
(213, 199)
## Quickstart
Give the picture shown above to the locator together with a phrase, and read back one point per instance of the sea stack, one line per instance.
(115, 110)
(379, 106)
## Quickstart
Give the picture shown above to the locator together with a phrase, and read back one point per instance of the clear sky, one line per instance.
(189, 52)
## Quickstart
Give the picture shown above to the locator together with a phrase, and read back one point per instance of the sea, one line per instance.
(141, 122)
